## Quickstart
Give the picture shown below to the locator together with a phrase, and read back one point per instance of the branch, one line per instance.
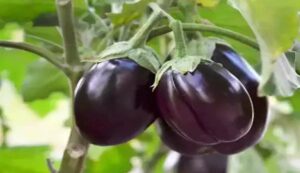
(74, 154)
(77, 147)
(66, 22)
(44, 53)
(208, 28)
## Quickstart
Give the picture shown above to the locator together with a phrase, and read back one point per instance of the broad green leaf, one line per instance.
(24, 160)
(43, 34)
(41, 80)
(43, 106)
(274, 37)
(208, 3)
(13, 64)
(28, 10)
(114, 159)
(130, 12)
(223, 15)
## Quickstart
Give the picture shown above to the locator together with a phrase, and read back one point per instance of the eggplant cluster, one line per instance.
(215, 108)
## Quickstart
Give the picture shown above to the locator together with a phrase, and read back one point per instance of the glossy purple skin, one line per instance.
(247, 75)
(208, 163)
(114, 102)
(176, 142)
(207, 106)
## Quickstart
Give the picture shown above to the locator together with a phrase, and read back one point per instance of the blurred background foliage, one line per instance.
(35, 103)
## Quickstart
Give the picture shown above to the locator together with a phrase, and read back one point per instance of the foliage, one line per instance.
(275, 26)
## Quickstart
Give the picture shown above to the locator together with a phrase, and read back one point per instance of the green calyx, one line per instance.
(182, 65)
(144, 55)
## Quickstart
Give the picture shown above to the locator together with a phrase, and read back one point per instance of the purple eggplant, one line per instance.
(114, 102)
(250, 79)
(176, 142)
(207, 106)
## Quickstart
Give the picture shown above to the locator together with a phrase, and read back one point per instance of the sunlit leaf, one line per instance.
(115, 159)
(24, 160)
(208, 3)
(130, 12)
(28, 10)
(274, 37)
(41, 80)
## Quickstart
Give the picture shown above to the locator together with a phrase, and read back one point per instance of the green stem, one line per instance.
(77, 147)
(44, 53)
(142, 34)
(75, 154)
(66, 22)
(48, 42)
(181, 49)
(208, 28)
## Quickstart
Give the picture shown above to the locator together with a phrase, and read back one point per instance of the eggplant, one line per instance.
(207, 106)
(114, 102)
(250, 79)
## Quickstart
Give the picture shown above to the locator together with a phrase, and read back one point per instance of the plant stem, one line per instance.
(66, 22)
(48, 42)
(181, 49)
(44, 53)
(142, 34)
(208, 28)
(77, 147)
(75, 153)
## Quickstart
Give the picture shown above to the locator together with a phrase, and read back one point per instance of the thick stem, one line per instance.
(66, 22)
(142, 34)
(77, 147)
(44, 53)
(181, 49)
(75, 153)
(208, 28)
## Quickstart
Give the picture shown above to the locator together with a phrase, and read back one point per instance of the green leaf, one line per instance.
(274, 37)
(43, 106)
(46, 34)
(223, 15)
(13, 64)
(208, 3)
(204, 46)
(28, 10)
(41, 80)
(130, 12)
(24, 160)
(114, 159)
(182, 65)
